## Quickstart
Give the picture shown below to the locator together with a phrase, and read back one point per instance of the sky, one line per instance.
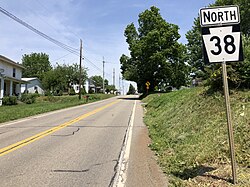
(99, 23)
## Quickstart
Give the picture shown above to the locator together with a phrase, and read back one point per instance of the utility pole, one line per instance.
(123, 86)
(119, 84)
(114, 76)
(103, 82)
(80, 76)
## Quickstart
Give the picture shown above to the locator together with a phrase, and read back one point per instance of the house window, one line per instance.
(14, 72)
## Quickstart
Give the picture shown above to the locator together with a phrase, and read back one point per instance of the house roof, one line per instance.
(30, 79)
(16, 80)
(7, 60)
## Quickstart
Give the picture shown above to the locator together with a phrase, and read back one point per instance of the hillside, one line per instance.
(189, 136)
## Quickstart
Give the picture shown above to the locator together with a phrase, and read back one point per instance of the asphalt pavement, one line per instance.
(79, 146)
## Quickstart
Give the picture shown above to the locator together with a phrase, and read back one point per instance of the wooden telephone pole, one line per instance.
(103, 81)
(80, 76)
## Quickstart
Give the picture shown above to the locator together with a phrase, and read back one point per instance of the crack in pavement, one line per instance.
(81, 171)
(70, 171)
(73, 133)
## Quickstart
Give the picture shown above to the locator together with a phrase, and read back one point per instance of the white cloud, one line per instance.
(100, 24)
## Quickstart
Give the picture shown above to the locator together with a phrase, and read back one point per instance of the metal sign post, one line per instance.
(229, 121)
(222, 42)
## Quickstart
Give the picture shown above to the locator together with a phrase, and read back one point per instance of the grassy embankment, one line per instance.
(45, 104)
(189, 136)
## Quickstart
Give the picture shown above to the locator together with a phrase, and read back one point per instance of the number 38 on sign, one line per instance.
(221, 35)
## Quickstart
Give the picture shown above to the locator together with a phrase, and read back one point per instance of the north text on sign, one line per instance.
(217, 16)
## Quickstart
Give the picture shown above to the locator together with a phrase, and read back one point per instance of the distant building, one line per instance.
(33, 85)
(10, 78)
(91, 86)
(76, 86)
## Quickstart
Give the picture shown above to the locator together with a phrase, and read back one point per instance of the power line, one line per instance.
(48, 12)
(93, 64)
(60, 44)
(110, 62)
(60, 57)
(38, 15)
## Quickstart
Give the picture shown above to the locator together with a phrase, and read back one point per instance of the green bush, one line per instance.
(91, 91)
(58, 93)
(72, 91)
(47, 93)
(29, 98)
(10, 100)
(83, 91)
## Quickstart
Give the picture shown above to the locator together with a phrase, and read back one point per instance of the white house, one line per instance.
(76, 86)
(10, 77)
(32, 85)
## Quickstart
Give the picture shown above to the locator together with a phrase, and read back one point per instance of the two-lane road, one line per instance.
(80, 146)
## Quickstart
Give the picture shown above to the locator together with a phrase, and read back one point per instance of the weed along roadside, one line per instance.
(189, 136)
(45, 104)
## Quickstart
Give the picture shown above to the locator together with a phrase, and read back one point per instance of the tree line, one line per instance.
(157, 56)
(60, 79)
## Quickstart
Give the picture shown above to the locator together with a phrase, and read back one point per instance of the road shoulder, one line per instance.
(142, 167)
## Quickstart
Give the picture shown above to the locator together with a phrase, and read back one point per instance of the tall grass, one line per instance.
(189, 135)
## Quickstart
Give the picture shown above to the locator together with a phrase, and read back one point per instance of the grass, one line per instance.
(45, 104)
(189, 135)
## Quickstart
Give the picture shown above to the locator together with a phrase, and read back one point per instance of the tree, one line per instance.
(36, 65)
(131, 90)
(237, 72)
(154, 51)
(110, 88)
(244, 6)
(98, 81)
(194, 50)
(61, 77)
(50, 81)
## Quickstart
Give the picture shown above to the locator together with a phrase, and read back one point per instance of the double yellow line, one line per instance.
(31, 139)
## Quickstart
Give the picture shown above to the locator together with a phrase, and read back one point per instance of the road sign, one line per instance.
(147, 85)
(221, 40)
(226, 15)
(221, 36)
(222, 44)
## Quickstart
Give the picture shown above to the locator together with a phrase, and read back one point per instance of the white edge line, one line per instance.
(123, 166)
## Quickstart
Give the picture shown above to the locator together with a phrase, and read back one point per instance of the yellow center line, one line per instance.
(31, 139)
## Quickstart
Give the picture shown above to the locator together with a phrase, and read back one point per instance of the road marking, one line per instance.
(31, 139)
(8, 123)
(121, 175)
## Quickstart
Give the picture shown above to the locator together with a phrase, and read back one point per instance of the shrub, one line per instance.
(47, 93)
(10, 100)
(91, 91)
(83, 91)
(58, 93)
(72, 91)
(28, 98)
